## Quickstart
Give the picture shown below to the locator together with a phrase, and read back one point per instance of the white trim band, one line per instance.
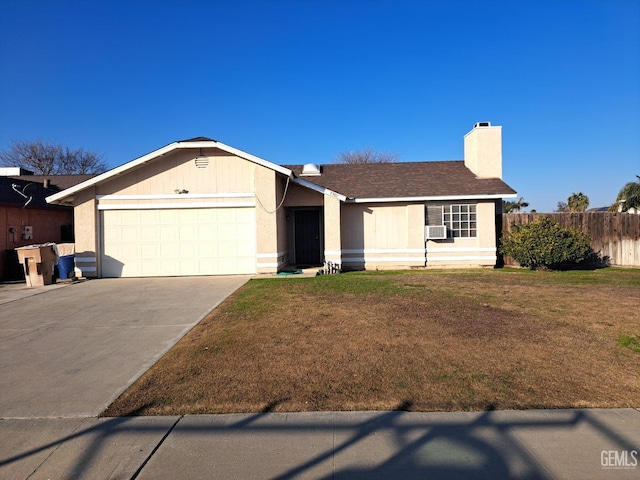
(84, 270)
(383, 250)
(86, 259)
(268, 265)
(421, 260)
(461, 250)
(168, 206)
(493, 258)
(318, 188)
(271, 255)
(426, 199)
(163, 196)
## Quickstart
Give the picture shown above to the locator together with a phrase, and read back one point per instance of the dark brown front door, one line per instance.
(307, 234)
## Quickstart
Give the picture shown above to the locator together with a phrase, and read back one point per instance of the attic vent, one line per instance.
(482, 124)
(435, 232)
(311, 169)
(202, 161)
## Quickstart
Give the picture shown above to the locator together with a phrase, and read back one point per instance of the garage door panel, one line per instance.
(168, 217)
(208, 250)
(149, 233)
(169, 250)
(206, 232)
(188, 232)
(169, 233)
(131, 217)
(150, 251)
(177, 242)
(227, 231)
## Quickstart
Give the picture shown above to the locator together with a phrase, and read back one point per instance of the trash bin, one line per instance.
(66, 261)
(38, 262)
(65, 267)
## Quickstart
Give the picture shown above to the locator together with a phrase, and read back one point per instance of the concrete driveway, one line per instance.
(70, 351)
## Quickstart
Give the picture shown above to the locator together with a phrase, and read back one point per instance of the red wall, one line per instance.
(46, 223)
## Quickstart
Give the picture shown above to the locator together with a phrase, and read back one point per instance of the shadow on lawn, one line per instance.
(349, 445)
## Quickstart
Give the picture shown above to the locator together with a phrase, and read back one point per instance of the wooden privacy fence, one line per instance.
(614, 236)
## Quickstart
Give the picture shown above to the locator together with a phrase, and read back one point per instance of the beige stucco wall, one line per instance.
(271, 242)
(479, 251)
(247, 184)
(382, 236)
(391, 236)
(332, 230)
(299, 196)
(283, 184)
(483, 151)
(86, 233)
(177, 170)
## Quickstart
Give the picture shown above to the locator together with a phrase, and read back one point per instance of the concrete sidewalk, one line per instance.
(535, 444)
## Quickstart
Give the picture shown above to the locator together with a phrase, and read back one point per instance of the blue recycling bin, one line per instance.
(65, 267)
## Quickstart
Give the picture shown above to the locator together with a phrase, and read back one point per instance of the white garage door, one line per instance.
(160, 243)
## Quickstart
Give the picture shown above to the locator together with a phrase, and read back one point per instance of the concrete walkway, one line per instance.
(536, 444)
(71, 350)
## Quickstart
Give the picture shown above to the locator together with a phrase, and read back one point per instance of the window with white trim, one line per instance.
(460, 219)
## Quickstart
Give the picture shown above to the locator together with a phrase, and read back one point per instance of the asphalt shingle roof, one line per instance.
(404, 179)
(33, 186)
(60, 181)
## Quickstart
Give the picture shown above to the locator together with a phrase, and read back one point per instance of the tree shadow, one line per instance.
(351, 445)
(593, 261)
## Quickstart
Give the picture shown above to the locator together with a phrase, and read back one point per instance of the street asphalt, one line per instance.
(67, 351)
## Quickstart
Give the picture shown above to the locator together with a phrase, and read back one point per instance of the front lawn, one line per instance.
(417, 340)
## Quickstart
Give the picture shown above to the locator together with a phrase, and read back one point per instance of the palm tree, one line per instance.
(514, 207)
(628, 198)
(577, 202)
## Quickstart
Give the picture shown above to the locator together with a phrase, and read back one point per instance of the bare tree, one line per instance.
(366, 155)
(51, 159)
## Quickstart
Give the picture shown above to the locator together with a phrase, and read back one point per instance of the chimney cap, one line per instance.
(482, 124)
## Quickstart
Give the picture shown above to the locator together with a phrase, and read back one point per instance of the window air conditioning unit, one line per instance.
(435, 232)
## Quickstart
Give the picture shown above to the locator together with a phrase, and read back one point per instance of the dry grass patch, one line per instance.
(428, 340)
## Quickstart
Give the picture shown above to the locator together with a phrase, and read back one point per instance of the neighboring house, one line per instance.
(26, 218)
(200, 207)
(632, 210)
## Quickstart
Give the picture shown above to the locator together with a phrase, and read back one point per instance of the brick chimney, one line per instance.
(483, 150)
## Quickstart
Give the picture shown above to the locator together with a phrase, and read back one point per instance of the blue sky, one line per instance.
(301, 81)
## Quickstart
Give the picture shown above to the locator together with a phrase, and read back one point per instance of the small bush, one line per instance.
(544, 244)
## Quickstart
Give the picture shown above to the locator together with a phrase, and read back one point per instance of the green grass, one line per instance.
(429, 339)
(630, 342)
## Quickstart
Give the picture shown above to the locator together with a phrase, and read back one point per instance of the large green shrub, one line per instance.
(543, 243)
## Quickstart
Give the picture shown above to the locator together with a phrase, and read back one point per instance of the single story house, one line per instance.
(200, 207)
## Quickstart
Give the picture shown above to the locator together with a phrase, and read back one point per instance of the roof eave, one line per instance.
(319, 188)
(430, 198)
(63, 196)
